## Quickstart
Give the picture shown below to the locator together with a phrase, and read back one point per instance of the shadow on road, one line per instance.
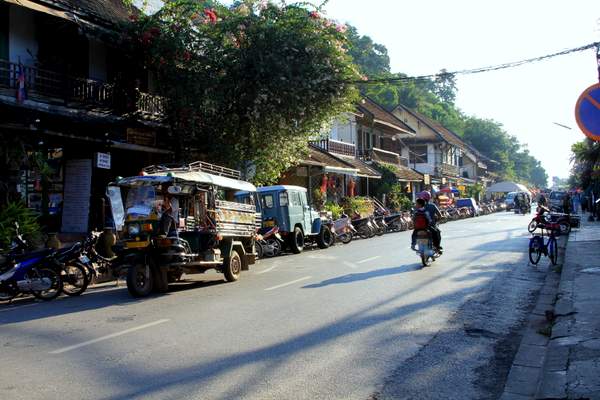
(361, 276)
(94, 298)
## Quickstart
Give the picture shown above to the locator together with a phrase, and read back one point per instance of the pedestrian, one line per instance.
(567, 204)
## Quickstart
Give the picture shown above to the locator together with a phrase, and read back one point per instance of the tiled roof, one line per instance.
(319, 157)
(364, 169)
(404, 173)
(381, 115)
(107, 12)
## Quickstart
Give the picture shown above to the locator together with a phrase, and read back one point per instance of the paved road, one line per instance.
(356, 321)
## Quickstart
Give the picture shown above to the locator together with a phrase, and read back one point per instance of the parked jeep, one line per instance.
(287, 207)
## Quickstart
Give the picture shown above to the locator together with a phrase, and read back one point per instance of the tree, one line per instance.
(248, 84)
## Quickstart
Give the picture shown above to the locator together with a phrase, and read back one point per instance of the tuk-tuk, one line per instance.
(183, 219)
(287, 207)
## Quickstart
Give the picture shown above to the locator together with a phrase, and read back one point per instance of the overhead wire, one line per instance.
(479, 70)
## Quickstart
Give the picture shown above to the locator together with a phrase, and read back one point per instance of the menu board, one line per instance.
(77, 192)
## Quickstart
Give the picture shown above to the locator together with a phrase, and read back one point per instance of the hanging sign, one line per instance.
(587, 112)
(102, 160)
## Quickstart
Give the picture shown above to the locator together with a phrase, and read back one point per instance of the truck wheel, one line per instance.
(297, 241)
(139, 280)
(324, 238)
(232, 267)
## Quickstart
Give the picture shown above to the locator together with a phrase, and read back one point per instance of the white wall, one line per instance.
(344, 129)
(97, 57)
(21, 35)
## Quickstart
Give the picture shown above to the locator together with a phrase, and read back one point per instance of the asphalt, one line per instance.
(356, 321)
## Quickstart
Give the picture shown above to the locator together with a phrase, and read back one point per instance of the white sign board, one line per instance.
(77, 192)
(103, 160)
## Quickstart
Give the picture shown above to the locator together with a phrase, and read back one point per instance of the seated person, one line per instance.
(422, 220)
(167, 224)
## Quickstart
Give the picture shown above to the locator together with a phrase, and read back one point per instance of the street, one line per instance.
(355, 321)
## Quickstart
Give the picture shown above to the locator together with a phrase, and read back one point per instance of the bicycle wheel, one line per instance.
(553, 250)
(532, 226)
(535, 250)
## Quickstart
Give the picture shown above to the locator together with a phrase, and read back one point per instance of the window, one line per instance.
(295, 199)
(417, 154)
(267, 200)
(283, 199)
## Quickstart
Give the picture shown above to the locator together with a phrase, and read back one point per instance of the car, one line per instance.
(510, 200)
(555, 200)
(469, 203)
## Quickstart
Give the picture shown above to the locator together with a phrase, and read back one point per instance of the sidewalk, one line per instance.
(559, 356)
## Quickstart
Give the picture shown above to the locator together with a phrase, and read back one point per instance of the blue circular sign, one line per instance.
(587, 112)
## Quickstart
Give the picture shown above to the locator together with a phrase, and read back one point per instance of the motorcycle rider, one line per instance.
(435, 214)
(421, 220)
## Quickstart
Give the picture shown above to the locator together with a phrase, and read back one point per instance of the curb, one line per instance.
(529, 371)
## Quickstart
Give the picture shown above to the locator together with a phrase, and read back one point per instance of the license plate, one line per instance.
(84, 259)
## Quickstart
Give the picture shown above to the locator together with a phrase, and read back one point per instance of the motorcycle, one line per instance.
(425, 249)
(28, 273)
(395, 222)
(542, 219)
(380, 225)
(344, 230)
(364, 227)
(269, 243)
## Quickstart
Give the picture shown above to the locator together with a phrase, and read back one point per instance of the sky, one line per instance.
(422, 37)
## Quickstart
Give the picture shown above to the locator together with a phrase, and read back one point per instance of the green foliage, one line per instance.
(475, 191)
(388, 179)
(336, 209)
(248, 84)
(397, 200)
(318, 198)
(28, 225)
(358, 205)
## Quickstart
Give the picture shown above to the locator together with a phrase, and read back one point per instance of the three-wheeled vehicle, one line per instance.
(180, 220)
(286, 207)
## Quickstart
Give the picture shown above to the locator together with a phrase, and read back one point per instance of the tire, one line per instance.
(232, 267)
(553, 251)
(425, 260)
(535, 252)
(346, 238)
(55, 288)
(259, 250)
(364, 232)
(276, 244)
(380, 230)
(160, 278)
(532, 226)
(140, 280)
(324, 238)
(372, 231)
(297, 241)
(75, 279)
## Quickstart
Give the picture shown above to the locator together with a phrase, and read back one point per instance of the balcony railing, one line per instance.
(335, 146)
(53, 87)
(447, 169)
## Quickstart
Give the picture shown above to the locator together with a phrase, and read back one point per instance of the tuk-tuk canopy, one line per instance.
(187, 177)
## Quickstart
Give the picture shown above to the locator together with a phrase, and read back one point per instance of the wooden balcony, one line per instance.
(55, 88)
(449, 170)
(335, 146)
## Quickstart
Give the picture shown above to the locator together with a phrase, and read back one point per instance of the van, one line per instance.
(510, 200)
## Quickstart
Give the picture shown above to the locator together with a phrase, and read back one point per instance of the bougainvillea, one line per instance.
(249, 83)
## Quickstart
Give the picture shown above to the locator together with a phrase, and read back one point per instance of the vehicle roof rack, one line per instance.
(194, 166)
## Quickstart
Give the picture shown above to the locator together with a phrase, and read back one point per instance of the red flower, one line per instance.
(210, 14)
(314, 15)
(133, 17)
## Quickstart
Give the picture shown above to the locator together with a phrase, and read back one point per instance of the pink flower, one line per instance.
(314, 15)
(341, 28)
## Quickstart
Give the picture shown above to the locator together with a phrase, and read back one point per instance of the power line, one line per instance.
(481, 69)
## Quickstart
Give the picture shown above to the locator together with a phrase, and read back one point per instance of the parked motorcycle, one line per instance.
(344, 230)
(364, 227)
(269, 242)
(24, 272)
(425, 249)
(380, 225)
(544, 217)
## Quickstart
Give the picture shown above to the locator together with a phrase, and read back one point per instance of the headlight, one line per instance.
(133, 229)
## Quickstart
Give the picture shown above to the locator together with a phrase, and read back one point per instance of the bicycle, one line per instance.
(537, 247)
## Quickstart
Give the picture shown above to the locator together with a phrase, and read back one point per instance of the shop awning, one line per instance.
(329, 163)
(364, 169)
